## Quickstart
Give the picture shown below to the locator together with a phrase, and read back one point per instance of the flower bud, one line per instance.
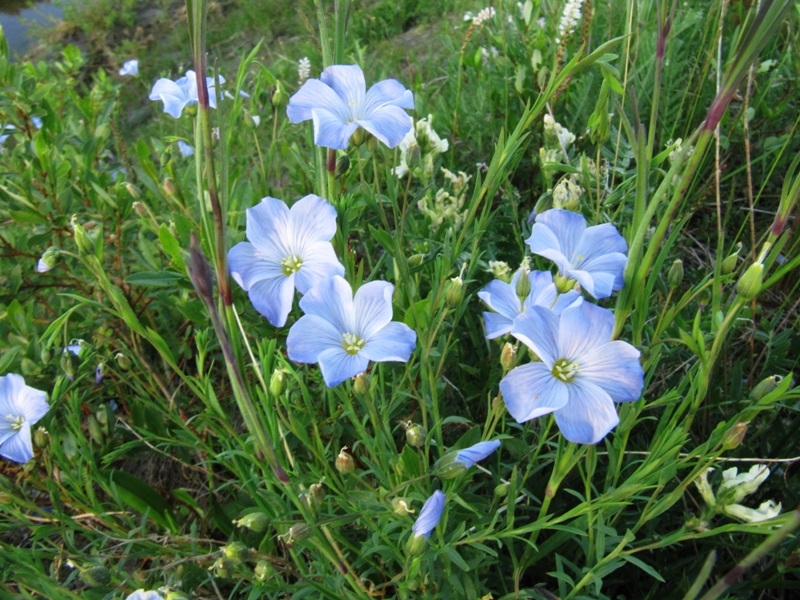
(236, 551)
(342, 166)
(675, 274)
(41, 438)
(358, 137)
(765, 386)
(82, 239)
(316, 494)
(415, 545)
(508, 356)
(133, 190)
(96, 576)
(416, 435)
(279, 97)
(277, 382)
(416, 260)
(372, 142)
(48, 260)
(99, 374)
(344, 462)
(729, 264)
(254, 521)
(69, 362)
(46, 355)
(452, 290)
(523, 284)
(361, 384)
(223, 568)
(501, 490)
(749, 284)
(169, 187)
(734, 437)
(297, 533)
(123, 362)
(263, 571)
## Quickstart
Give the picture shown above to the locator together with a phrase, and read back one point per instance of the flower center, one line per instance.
(565, 370)
(352, 343)
(15, 423)
(291, 264)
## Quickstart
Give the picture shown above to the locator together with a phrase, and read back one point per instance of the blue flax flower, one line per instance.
(592, 256)
(182, 92)
(429, 516)
(287, 249)
(20, 407)
(130, 68)
(504, 298)
(581, 374)
(338, 104)
(477, 452)
(343, 333)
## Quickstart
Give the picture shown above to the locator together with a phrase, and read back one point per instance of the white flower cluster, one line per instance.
(569, 19)
(303, 70)
(419, 148)
(733, 489)
(483, 16)
(448, 205)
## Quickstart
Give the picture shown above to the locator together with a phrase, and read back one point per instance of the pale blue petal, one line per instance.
(130, 67)
(615, 367)
(186, 149)
(309, 337)
(373, 308)
(476, 453)
(598, 285)
(348, 83)
(496, 325)
(598, 240)
(588, 416)
(537, 328)
(315, 94)
(612, 264)
(332, 300)
(395, 342)
(502, 297)
(571, 298)
(267, 227)
(32, 404)
(172, 95)
(337, 365)
(389, 124)
(429, 515)
(330, 131)
(388, 91)
(531, 391)
(273, 298)
(248, 265)
(312, 219)
(566, 226)
(543, 290)
(543, 242)
(19, 447)
(319, 263)
(582, 329)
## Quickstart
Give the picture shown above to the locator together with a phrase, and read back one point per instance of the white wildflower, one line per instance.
(303, 70)
(569, 19)
(767, 510)
(743, 484)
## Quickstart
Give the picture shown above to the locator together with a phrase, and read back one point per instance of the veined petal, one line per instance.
(309, 337)
(172, 95)
(615, 368)
(598, 285)
(332, 300)
(582, 329)
(588, 416)
(315, 94)
(312, 219)
(330, 131)
(567, 227)
(373, 308)
(319, 263)
(388, 91)
(268, 225)
(394, 342)
(18, 447)
(429, 515)
(477, 452)
(598, 240)
(502, 297)
(337, 365)
(538, 328)
(571, 298)
(348, 83)
(389, 124)
(32, 404)
(531, 391)
(273, 298)
(496, 325)
(248, 265)
(612, 263)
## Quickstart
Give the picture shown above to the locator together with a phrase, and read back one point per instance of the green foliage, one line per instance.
(149, 476)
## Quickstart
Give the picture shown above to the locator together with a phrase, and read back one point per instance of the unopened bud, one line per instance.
(765, 386)
(82, 239)
(415, 544)
(297, 533)
(236, 551)
(361, 384)
(523, 284)
(48, 260)
(139, 208)
(734, 437)
(501, 490)
(46, 355)
(316, 494)
(169, 187)
(133, 190)
(344, 462)
(123, 362)
(749, 284)
(675, 274)
(729, 264)
(223, 568)
(41, 438)
(372, 142)
(358, 137)
(96, 576)
(69, 362)
(254, 521)
(342, 166)
(277, 382)
(508, 356)
(416, 260)
(279, 97)
(263, 570)
(416, 435)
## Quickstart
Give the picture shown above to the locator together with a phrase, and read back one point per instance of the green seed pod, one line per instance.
(298, 533)
(416, 260)
(236, 551)
(123, 362)
(96, 576)
(416, 435)
(254, 521)
(448, 467)
(176, 595)
(359, 137)
(452, 290)
(277, 382)
(523, 284)
(765, 386)
(361, 384)
(675, 274)
(501, 490)
(279, 97)
(41, 438)
(82, 239)
(734, 437)
(508, 356)
(729, 264)
(133, 190)
(749, 284)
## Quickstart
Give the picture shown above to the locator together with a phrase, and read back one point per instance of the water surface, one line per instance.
(21, 20)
